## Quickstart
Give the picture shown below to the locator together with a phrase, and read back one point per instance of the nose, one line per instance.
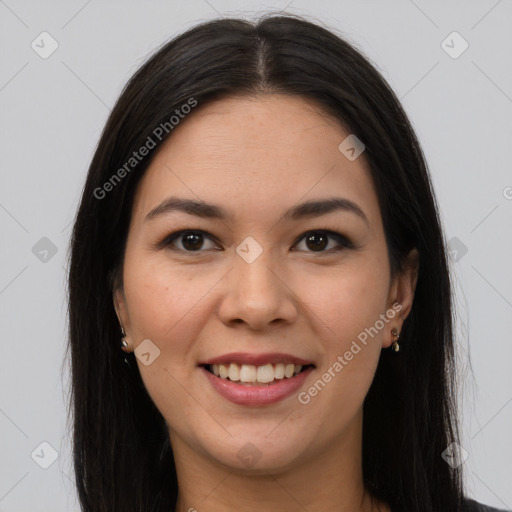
(257, 295)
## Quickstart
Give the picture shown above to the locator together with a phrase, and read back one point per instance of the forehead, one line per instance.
(254, 153)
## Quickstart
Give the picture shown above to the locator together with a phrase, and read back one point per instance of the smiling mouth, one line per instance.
(251, 375)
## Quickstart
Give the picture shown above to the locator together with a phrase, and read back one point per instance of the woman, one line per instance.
(259, 235)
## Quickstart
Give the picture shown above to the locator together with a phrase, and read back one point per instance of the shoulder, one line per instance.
(473, 506)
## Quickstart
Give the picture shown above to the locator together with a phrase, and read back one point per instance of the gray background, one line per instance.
(53, 111)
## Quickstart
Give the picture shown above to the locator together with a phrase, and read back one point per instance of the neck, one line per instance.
(328, 481)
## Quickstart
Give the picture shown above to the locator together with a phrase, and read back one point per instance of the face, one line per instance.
(260, 283)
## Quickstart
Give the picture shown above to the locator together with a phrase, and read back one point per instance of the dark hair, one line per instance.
(122, 455)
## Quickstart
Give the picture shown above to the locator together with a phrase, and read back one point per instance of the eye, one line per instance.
(318, 241)
(190, 240)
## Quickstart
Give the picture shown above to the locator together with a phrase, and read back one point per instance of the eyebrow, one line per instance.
(211, 211)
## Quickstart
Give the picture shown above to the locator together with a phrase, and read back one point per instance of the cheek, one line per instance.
(347, 308)
(163, 297)
(346, 300)
(166, 305)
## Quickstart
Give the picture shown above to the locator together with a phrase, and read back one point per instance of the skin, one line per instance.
(258, 157)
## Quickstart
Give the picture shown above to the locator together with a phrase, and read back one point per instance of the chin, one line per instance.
(256, 452)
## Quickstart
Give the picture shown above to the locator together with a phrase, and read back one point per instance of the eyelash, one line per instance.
(343, 241)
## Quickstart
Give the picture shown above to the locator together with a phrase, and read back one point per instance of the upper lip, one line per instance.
(256, 359)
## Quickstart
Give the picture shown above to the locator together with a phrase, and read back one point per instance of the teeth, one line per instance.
(250, 373)
(265, 373)
(279, 371)
(234, 372)
(223, 371)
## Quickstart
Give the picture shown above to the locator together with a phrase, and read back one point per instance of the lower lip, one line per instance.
(243, 394)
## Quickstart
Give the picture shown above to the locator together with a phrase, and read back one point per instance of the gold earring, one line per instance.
(124, 343)
(394, 333)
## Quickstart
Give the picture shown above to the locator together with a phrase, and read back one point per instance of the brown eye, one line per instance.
(318, 241)
(191, 241)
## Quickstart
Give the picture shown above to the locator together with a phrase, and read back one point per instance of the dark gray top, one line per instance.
(474, 506)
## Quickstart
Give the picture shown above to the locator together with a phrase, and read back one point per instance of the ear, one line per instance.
(402, 289)
(121, 309)
(404, 284)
